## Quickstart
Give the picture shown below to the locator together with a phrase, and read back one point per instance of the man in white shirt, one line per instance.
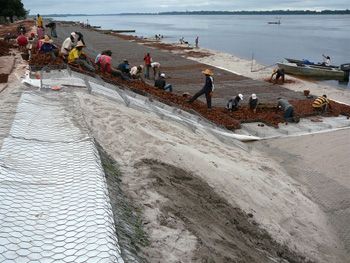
(328, 60)
(156, 69)
(137, 73)
(67, 44)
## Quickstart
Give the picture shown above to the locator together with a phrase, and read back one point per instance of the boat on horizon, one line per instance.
(276, 22)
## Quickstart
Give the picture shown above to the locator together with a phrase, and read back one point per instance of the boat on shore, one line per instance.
(311, 70)
(307, 62)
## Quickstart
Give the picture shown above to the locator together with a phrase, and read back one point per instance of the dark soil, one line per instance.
(224, 233)
(218, 115)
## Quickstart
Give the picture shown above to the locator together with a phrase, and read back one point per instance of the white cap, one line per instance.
(253, 96)
(241, 96)
(162, 75)
(74, 35)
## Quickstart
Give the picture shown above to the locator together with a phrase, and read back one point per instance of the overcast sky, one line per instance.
(139, 6)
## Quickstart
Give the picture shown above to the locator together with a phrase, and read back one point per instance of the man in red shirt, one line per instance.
(22, 41)
(105, 62)
(148, 60)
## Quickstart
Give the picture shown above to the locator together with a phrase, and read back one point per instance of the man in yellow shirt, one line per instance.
(39, 21)
(321, 103)
(76, 56)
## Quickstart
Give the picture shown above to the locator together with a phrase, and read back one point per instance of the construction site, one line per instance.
(94, 168)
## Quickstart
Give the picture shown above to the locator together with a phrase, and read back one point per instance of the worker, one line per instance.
(76, 56)
(279, 72)
(48, 47)
(156, 69)
(22, 42)
(288, 110)
(102, 53)
(124, 68)
(148, 60)
(40, 32)
(321, 103)
(137, 73)
(196, 41)
(253, 102)
(160, 83)
(21, 30)
(68, 44)
(104, 62)
(52, 25)
(234, 103)
(80, 37)
(39, 21)
(208, 88)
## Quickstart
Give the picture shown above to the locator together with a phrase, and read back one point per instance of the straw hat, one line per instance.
(80, 44)
(141, 66)
(207, 72)
(275, 70)
(47, 39)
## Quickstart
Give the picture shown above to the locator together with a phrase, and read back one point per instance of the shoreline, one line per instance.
(242, 66)
(162, 151)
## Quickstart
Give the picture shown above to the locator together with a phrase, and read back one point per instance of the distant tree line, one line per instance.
(12, 8)
(273, 12)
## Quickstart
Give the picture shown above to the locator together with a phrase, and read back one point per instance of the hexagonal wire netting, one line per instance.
(54, 203)
(45, 157)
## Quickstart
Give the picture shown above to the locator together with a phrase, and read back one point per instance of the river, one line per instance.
(297, 36)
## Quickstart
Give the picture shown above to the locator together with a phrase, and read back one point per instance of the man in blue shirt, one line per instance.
(48, 47)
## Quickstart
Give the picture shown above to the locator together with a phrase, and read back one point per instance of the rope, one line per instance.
(263, 68)
(251, 70)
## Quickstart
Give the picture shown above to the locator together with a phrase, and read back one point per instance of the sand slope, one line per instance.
(248, 180)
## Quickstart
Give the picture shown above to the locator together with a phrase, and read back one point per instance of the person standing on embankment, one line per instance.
(208, 88)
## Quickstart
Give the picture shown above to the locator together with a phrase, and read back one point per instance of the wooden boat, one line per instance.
(304, 61)
(311, 70)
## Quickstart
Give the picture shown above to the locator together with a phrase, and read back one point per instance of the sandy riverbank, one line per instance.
(248, 180)
(252, 69)
(260, 72)
(188, 184)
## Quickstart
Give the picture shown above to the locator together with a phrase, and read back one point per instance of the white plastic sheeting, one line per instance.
(54, 204)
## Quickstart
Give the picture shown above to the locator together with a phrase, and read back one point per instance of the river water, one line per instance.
(297, 36)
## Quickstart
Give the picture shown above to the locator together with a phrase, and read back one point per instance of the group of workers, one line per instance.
(73, 53)
(320, 104)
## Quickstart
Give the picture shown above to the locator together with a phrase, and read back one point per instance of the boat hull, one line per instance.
(297, 61)
(311, 70)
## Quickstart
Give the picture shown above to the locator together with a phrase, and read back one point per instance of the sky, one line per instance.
(151, 6)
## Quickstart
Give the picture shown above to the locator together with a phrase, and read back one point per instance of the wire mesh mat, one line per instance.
(54, 203)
